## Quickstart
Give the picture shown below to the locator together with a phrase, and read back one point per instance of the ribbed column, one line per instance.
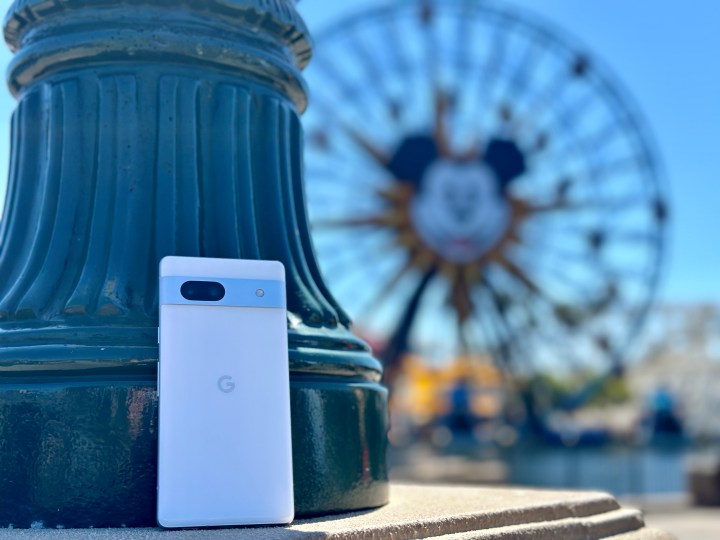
(160, 164)
(146, 129)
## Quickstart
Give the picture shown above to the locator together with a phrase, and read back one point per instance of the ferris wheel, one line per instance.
(477, 182)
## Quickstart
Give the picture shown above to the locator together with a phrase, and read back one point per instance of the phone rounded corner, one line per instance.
(166, 264)
(162, 522)
(288, 513)
(280, 268)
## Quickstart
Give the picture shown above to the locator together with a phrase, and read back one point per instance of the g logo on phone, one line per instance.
(226, 384)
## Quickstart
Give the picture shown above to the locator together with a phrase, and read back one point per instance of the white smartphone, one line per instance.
(224, 455)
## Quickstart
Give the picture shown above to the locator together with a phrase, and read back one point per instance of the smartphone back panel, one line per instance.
(224, 430)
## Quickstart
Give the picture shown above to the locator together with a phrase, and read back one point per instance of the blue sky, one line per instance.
(665, 52)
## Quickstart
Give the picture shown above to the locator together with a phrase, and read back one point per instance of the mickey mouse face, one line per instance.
(459, 209)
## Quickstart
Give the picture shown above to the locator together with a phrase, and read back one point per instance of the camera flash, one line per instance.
(260, 293)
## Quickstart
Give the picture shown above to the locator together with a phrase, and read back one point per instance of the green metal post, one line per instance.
(146, 128)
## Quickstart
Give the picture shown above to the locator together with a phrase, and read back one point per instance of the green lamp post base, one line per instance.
(144, 129)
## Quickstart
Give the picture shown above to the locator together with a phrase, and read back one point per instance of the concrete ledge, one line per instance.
(444, 512)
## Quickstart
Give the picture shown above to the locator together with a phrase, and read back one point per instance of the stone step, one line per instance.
(606, 525)
(441, 512)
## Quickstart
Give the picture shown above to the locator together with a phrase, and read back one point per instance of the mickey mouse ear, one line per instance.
(505, 159)
(412, 158)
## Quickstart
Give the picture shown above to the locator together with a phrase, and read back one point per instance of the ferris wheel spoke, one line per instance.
(360, 142)
(324, 136)
(635, 201)
(426, 16)
(603, 173)
(362, 222)
(358, 164)
(507, 339)
(560, 262)
(551, 92)
(552, 330)
(517, 82)
(584, 293)
(639, 278)
(578, 290)
(464, 342)
(601, 136)
(458, 294)
(616, 166)
(325, 105)
(597, 237)
(540, 216)
(393, 46)
(625, 236)
(442, 140)
(402, 65)
(332, 167)
(495, 56)
(398, 343)
(332, 179)
(556, 338)
(476, 334)
(540, 296)
(349, 91)
(517, 273)
(333, 240)
(633, 237)
(551, 337)
(373, 73)
(567, 118)
(494, 339)
(538, 256)
(481, 335)
(323, 65)
(354, 286)
(494, 343)
(338, 219)
(368, 303)
(487, 74)
(356, 282)
(374, 301)
(463, 37)
(538, 249)
(378, 156)
(333, 205)
(594, 141)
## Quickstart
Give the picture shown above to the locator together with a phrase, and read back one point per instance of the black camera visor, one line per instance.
(202, 291)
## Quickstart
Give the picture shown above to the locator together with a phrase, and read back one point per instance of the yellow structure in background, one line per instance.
(423, 394)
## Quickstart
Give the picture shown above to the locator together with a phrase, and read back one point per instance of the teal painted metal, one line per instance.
(146, 128)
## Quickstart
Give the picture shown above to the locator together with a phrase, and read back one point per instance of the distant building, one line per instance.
(682, 358)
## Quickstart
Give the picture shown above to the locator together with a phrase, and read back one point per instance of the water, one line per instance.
(619, 470)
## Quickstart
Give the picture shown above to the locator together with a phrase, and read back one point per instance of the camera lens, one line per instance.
(209, 291)
(216, 291)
